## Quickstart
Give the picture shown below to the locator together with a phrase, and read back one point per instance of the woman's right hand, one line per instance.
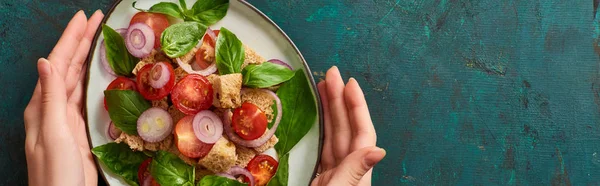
(349, 151)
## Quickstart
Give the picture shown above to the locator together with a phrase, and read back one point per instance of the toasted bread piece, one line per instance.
(161, 145)
(251, 57)
(261, 99)
(244, 155)
(161, 103)
(135, 142)
(175, 114)
(221, 157)
(179, 74)
(227, 90)
(269, 144)
(201, 172)
(189, 57)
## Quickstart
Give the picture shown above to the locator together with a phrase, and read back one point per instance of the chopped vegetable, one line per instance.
(140, 40)
(207, 126)
(154, 125)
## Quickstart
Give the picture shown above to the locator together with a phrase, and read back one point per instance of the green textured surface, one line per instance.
(462, 92)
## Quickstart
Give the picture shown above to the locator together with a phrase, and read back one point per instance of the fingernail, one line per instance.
(44, 68)
(351, 79)
(98, 11)
(334, 67)
(374, 156)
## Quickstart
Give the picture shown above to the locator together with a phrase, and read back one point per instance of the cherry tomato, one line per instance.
(148, 91)
(249, 122)
(158, 23)
(262, 167)
(144, 172)
(200, 54)
(121, 83)
(192, 94)
(188, 144)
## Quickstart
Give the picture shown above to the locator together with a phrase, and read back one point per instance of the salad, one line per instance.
(191, 105)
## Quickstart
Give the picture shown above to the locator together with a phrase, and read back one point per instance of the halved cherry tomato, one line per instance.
(192, 94)
(200, 54)
(262, 167)
(147, 91)
(158, 23)
(144, 172)
(121, 83)
(249, 122)
(188, 144)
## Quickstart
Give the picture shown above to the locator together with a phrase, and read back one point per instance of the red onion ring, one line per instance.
(211, 34)
(188, 68)
(225, 176)
(140, 40)
(103, 59)
(237, 170)
(147, 181)
(112, 131)
(159, 75)
(259, 141)
(154, 125)
(208, 127)
(279, 62)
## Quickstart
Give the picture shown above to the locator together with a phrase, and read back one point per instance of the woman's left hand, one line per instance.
(56, 143)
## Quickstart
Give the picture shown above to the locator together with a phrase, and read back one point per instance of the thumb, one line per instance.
(356, 165)
(54, 95)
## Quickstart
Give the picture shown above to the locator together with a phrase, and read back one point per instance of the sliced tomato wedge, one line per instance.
(121, 83)
(144, 172)
(200, 54)
(158, 23)
(249, 122)
(188, 144)
(192, 94)
(263, 168)
(147, 91)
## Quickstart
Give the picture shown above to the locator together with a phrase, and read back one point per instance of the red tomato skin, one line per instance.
(143, 169)
(263, 168)
(158, 23)
(200, 53)
(249, 122)
(192, 89)
(147, 91)
(186, 141)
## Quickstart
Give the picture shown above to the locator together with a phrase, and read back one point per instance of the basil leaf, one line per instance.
(212, 180)
(281, 176)
(117, 55)
(299, 112)
(168, 169)
(229, 53)
(124, 108)
(179, 39)
(121, 160)
(208, 12)
(166, 8)
(183, 5)
(265, 75)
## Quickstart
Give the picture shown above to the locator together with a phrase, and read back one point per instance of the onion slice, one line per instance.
(279, 62)
(103, 58)
(211, 34)
(159, 75)
(188, 68)
(140, 40)
(154, 125)
(207, 126)
(113, 132)
(259, 141)
(237, 170)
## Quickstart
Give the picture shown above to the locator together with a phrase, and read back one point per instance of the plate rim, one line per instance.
(307, 73)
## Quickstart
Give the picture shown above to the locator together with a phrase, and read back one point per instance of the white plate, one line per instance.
(254, 29)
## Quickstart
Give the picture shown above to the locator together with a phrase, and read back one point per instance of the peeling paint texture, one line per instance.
(462, 92)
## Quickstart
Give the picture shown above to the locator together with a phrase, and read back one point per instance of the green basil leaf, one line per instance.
(117, 55)
(212, 180)
(121, 160)
(299, 112)
(265, 75)
(183, 5)
(166, 8)
(124, 108)
(168, 169)
(179, 39)
(281, 176)
(229, 53)
(208, 12)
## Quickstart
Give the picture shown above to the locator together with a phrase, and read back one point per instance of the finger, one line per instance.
(54, 97)
(356, 165)
(33, 107)
(76, 99)
(339, 117)
(63, 52)
(327, 159)
(79, 59)
(363, 132)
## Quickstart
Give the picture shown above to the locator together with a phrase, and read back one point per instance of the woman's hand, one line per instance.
(56, 143)
(349, 152)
